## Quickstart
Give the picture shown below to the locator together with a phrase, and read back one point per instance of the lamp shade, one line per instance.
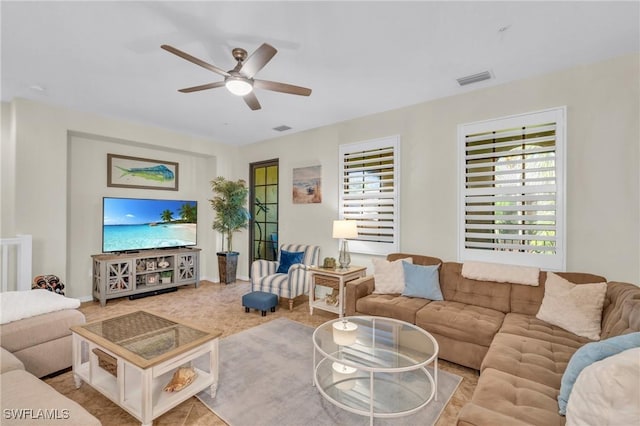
(345, 333)
(342, 375)
(345, 229)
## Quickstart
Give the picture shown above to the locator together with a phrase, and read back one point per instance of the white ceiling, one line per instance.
(358, 57)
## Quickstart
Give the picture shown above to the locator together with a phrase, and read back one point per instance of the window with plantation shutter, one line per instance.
(369, 193)
(512, 190)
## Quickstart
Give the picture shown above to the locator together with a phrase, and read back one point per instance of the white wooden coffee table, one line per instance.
(130, 359)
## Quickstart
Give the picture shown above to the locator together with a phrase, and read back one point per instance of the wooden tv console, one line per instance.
(127, 274)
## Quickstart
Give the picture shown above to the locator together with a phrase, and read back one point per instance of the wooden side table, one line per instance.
(333, 278)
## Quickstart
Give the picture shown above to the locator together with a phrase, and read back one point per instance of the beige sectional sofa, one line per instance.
(492, 327)
(31, 348)
(42, 342)
(27, 400)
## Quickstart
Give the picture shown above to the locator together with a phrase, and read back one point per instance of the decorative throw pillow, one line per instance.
(288, 258)
(389, 276)
(587, 355)
(421, 281)
(607, 392)
(575, 307)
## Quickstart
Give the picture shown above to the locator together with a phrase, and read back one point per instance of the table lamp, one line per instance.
(344, 229)
(342, 375)
(344, 332)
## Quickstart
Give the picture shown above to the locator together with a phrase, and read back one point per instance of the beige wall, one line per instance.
(50, 179)
(7, 169)
(603, 183)
(87, 177)
(41, 162)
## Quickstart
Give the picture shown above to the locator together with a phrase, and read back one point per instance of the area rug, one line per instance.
(266, 380)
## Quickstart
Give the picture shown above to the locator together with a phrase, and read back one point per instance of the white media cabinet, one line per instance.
(127, 274)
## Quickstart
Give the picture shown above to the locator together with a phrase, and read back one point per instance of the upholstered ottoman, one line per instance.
(260, 300)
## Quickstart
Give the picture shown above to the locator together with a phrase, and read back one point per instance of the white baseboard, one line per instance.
(217, 279)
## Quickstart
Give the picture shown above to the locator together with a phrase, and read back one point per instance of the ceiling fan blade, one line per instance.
(252, 101)
(281, 87)
(195, 60)
(202, 87)
(258, 60)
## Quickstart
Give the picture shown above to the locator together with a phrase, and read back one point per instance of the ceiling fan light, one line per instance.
(238, 87)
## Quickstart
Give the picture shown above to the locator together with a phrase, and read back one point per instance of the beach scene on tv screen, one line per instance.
(135, 224)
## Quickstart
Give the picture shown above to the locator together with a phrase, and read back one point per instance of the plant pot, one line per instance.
(227, 266)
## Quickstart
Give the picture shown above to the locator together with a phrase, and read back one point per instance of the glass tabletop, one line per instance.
(145, 334)
(375, 366)
(394, 393)
(375, 343)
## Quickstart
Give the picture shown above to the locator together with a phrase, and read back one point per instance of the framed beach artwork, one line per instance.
(135, 172)
(307, 188)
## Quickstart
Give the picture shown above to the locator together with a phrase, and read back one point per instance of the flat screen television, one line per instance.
(132, 224)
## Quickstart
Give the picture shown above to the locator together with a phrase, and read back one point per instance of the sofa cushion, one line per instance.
(607, 392)
(530, 326)
(32, 331)
(486, 294)
(527, 299)
(47, 358)
(391, 305)
(21, 390)
(505, 399)
(621, 312)
(533, 359)
(9, 362)
(475, 415)
(460, 352)
(576, 308)
(460, 321)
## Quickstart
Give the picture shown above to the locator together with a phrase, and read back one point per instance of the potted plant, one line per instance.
(165, 277)
(230, 198)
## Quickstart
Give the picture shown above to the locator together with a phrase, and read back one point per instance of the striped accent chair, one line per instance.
(291, 285)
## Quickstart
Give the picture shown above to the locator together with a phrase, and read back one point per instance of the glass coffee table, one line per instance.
(131, 358)
(375, 366)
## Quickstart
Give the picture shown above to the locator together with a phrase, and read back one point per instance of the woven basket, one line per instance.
(326, 281)
(106, 362)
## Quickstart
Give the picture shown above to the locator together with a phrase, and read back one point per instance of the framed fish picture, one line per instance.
(134, 172)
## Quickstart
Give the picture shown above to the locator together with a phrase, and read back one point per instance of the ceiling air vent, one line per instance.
(474, 78)
(282, 128)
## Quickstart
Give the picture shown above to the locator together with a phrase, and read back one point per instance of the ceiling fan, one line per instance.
(239, 80)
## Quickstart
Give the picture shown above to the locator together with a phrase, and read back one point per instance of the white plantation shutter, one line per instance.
(512, 190)
(369, 193)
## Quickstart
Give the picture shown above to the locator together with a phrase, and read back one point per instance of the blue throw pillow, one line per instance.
(288, 258)
(587, 355)
(421, 281)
